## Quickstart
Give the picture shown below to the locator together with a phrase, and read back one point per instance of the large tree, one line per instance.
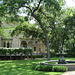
(70, 27)
(41, 10)
(59, 32)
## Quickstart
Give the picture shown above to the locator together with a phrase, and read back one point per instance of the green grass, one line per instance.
(22, 67)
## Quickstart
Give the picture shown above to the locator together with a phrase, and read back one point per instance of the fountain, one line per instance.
(70, 64)
(61, 59)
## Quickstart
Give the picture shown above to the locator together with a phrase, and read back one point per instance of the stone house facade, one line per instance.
(19, 41)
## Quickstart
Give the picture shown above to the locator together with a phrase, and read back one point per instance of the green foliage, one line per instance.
(52, 53)
(59, 68)
(4, 51)
(26, 29)
(70, 27)
(33, 66)
(3, 9)
(49, 68)
(2, 32)
(1, 50)
(46, 13)
(71, 52)
(10, 51)
(42, 67)
(53, 4)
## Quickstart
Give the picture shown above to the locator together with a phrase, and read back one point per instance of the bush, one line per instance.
(49, 68)
(59, 68)
(4, 51)
(39, 67)
(1, 51)
(33, 66)
(42, 67)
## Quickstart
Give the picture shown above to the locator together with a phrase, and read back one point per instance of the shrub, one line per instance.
(1, 50)
(59, 68)
(33, 66)
(49, 68)
(5, 58)
(42, 67)
(39, 67)
(4, 51)
(9, 51)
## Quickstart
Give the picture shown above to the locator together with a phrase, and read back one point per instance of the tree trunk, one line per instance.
(48, 48)
(58, 45)
(46, 34)
(62, 43)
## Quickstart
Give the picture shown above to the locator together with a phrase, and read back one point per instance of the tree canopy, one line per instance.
(47, 15)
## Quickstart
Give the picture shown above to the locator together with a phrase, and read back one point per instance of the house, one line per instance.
(19, 41)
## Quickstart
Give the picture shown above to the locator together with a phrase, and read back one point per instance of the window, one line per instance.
(8, 44)
(24, 44)
(34, 48)
(4, 44)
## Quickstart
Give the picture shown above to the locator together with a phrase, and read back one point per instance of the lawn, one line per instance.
(23, 67)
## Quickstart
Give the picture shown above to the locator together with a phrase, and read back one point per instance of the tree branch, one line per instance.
(41, 25)
(28, 8)
(36, 8)
(24, 6)
(45, 15)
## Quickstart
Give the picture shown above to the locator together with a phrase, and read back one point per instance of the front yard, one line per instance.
(23, 67)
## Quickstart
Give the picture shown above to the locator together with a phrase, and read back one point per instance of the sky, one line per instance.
(70, 3)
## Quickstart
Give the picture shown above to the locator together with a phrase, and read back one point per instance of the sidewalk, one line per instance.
(69, 73)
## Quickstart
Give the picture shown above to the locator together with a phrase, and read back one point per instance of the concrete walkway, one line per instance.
(69, 73)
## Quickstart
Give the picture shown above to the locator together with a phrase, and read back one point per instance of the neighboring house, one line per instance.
(18, 42)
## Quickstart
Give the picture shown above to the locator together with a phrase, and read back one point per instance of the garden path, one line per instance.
(69, 73)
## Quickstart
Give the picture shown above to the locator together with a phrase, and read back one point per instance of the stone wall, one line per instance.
(15, 43)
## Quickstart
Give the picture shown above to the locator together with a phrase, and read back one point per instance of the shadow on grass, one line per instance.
(21, 67)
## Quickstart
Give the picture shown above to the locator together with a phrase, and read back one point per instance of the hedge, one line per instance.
(15, 51)
(49, 68)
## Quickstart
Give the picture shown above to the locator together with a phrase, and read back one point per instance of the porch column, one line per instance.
(10, 44)
(33, 47)
(37, 47)
(6, 44)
